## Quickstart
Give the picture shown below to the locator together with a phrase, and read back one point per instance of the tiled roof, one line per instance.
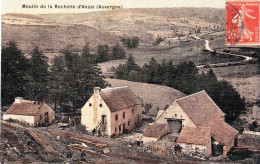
(26, 108)
(119, 98)
(197, 136)
(155, 130)
(200, 107)
(221, 131)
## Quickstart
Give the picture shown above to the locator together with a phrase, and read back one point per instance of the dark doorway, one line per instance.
(46, 118)
(174, 125)
(104, 123)
(217, 150)
(124, 129)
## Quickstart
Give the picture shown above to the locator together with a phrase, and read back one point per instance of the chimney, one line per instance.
(18, 99)
(97, 90)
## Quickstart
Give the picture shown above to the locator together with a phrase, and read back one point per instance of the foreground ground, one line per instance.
(70, 145)
(17, 146)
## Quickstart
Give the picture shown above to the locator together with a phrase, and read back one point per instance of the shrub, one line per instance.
(81, 128)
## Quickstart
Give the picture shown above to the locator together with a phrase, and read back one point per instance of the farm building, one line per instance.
(154, 132)
(199, 110)
(31, 112)
(195, 141)
(112, 111)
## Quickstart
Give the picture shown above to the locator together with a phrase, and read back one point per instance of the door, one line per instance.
(124, 130)
(104, 123)
(46, 118)
(174, 126)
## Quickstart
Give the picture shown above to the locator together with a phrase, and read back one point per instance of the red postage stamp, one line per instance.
(242, 22)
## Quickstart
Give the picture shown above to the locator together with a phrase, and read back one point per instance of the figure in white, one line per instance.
(239, 19)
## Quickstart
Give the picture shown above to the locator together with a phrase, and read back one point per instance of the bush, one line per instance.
(254, 127)
(130, 42)
(81, 128)
(147, 107)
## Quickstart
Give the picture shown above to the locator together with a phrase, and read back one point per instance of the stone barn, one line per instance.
(31, 112)
(199, 110)
(195, 141)
(112, 111)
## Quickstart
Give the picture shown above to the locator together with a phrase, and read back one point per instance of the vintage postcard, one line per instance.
(130, 81)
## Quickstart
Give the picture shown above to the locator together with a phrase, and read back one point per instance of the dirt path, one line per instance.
(207, 47)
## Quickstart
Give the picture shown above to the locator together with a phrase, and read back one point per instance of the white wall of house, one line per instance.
(149, 139)
(175, 111)
(25, 118)
(91, 113)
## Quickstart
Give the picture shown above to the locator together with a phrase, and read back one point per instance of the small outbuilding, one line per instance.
(31, 112)
(195, 141)
(154, 132)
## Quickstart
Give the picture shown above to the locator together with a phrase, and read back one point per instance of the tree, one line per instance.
(131, 42)
(103, 53)
(13, 67)
(37, 76)
(118, 52)
(73, 78)
(186, 74)
(57, 86)
(228, 99)
(131, 64)
(158, 40)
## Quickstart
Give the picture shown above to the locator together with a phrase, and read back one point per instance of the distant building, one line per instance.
(34, 113)
(109, 74)
(112, 111)
(199, 110)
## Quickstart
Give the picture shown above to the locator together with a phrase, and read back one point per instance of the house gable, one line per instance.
(92, 111)
(175, 111)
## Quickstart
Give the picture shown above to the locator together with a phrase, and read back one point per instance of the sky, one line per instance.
(15, 6)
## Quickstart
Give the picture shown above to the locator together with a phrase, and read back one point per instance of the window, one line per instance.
(124, 115)
(119, 128)
(128, 123)
(116, 117)
(90, 104)
(115, 129)
(175, 115)
(100, 105)
(40, 117)
(132, 111)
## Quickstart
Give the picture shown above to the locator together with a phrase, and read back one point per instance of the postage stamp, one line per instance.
(242, 22)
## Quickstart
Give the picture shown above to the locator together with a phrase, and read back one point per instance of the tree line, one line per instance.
(68, 83)
(186, 78)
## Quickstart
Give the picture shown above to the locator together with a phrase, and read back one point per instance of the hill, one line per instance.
(30, 30)
(158, 96)
(144, 23)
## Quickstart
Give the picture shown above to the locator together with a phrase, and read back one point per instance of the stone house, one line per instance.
(154, 132)
(199, 110)
(112, 111)
(195, 141)
(31, 112)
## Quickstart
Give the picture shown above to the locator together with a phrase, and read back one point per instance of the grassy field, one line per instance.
(158, 96)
